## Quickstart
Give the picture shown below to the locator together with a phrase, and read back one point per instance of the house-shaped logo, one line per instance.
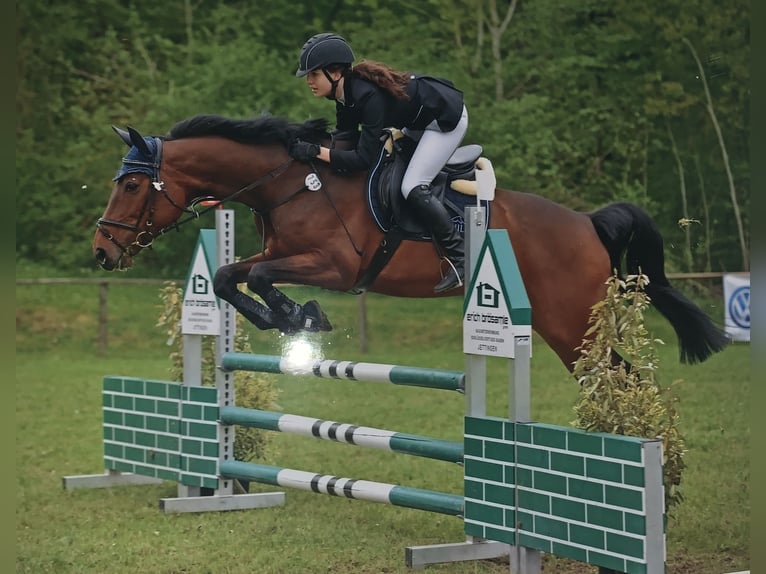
(200, 284)
(487, 296)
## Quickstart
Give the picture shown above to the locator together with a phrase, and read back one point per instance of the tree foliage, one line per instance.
(570, 99)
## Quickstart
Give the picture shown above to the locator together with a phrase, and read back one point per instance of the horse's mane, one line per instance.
(260, 130)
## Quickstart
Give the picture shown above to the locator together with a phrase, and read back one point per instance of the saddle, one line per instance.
(454, 186)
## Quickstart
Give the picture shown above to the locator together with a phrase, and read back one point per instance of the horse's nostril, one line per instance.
(100, 255)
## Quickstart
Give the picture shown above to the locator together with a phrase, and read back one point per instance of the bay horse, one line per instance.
(317, 231)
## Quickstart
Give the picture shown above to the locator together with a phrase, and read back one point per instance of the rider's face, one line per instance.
(318, 82)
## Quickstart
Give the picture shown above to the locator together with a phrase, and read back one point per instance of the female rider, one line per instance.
(374, 96)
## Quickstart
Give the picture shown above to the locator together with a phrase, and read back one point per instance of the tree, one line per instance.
(571, 99)
(724, 156)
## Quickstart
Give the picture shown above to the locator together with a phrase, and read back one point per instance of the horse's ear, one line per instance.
(124, 136)
(138, 140)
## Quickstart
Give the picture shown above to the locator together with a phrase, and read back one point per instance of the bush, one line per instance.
(252, 390)
(624, 397)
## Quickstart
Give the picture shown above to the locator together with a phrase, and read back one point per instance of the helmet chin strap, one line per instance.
(333, 83)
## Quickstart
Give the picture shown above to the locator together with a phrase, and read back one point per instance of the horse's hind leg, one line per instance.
(225, 284)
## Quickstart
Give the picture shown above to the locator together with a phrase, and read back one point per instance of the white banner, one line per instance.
(736, 297)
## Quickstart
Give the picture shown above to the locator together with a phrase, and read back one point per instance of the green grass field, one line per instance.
(58, 420)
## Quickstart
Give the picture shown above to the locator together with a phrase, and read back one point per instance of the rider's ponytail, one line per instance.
(392, 81)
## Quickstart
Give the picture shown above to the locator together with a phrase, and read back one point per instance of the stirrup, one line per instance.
(452, 285)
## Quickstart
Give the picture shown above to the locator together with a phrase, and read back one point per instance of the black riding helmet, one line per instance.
(322, 50)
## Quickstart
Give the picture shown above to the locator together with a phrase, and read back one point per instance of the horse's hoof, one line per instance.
(314, 318)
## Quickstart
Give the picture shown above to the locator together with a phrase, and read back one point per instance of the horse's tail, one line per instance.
(625, 229)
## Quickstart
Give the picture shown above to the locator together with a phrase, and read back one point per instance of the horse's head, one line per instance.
(218, 163)
(133, 216)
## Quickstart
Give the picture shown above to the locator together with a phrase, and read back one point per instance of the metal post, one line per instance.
(192, 377)
(224, 381)
(475, 365)
(524, 560)
(223, 497)
(418, 557)
(519, 396)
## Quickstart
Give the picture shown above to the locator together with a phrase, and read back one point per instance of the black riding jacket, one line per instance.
(368, 106)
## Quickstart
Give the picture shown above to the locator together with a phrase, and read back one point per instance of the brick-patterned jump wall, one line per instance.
(161, 429)
(593, 497)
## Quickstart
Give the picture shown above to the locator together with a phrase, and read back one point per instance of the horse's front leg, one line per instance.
(305, 269)
(225, 282)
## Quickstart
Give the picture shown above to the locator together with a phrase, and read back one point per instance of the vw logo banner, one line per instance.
(736, 296)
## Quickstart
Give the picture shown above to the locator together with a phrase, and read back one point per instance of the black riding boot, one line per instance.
(436, 218)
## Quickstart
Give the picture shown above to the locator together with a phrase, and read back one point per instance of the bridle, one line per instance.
(145, 237)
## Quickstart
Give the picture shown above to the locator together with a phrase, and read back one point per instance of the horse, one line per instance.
(318, 231)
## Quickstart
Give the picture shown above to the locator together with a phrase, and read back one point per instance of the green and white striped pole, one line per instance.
(348, 370)
(405, 496)
(343, 432)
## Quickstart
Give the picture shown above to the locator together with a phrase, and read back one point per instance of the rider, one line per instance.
(374, 96)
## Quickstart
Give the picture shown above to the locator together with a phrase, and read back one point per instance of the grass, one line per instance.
(58, 417)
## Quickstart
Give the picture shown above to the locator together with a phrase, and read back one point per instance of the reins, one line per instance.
(319, 186)
(215, 203)
(358, 251)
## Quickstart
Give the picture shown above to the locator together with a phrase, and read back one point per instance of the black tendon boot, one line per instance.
(436, 218)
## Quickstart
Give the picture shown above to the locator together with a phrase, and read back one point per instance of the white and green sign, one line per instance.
(496, 309)
(201, 310)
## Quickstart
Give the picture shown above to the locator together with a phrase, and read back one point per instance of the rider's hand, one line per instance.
(303, 151)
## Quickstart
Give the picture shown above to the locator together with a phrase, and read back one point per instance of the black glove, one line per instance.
(303, 151)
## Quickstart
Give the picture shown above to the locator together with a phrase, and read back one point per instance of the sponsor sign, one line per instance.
(736, 295)
(496, 308)
(201, 314)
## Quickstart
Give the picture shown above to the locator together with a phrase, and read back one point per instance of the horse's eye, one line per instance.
(131, 186)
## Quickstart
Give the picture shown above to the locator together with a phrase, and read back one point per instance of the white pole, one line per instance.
(224, 380)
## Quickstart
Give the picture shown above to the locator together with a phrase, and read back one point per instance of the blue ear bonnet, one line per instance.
(136, 162)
